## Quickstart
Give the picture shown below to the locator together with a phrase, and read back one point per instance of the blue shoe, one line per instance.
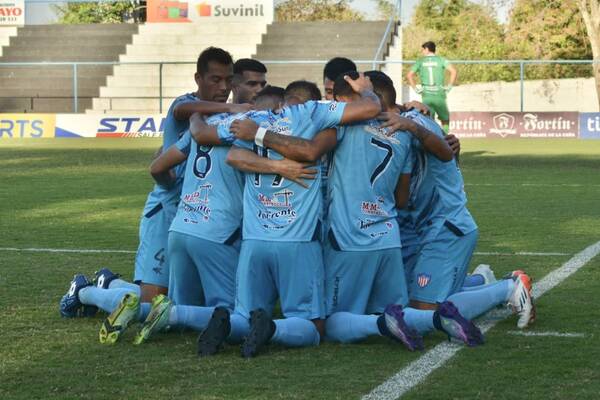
(392, 325)
(457, 326)
(104, 277)
(70, 306)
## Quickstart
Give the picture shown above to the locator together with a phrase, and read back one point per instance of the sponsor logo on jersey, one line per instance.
(423, 280)
(199, 196)
(279, 199)
(370, 208)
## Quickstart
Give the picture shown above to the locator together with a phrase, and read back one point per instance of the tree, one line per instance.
(462, 30)
(97, 13)
(548, 30)
(590, 12)
(316, 10)
(386, 8)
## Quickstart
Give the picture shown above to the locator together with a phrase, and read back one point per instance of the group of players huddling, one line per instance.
(349, 211)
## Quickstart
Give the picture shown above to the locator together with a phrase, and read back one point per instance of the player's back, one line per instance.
(437, 195)
(431, 71)
(365, 172)
(210, 206)
(278, 209)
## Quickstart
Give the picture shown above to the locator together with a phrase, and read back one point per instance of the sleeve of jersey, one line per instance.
(416, 66)
(326, 114)
(225, 134)
(184, 143)
(244, 144)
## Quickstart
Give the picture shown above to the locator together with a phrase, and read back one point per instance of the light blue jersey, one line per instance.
(366, 169)
(276, 209)
(211, 199)
(437, 195)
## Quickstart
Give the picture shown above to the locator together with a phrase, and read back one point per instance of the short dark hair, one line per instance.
(272, 91)
(343, 88)
(213, 54)
(303, 90)
(383, 86)
(337, 66)
(248, 64)
(429, 46)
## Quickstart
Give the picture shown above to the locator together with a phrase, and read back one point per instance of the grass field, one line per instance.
(526, 195)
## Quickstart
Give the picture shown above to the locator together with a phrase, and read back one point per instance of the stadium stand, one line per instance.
(50, 88)
(318, 41)
(135, 88)
(5, 33)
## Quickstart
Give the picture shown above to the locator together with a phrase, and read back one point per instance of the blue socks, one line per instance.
(420, 320)
(295, 332)
(240, 328)
(121, 284)
(473, 280)
(105, 299)
(346, 327)
(473, 303)
(193, 317)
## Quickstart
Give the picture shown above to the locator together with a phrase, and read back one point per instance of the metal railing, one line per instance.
(394, 19)
(522, 64)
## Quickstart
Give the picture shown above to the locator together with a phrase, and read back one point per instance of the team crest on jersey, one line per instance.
(423, 280)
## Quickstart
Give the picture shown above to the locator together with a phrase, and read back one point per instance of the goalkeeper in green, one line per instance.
(431, 70)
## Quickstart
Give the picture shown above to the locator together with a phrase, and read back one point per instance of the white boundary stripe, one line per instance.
(533, 184)
(35, 250)
(42, 250)
(418, 370)
(550, 334)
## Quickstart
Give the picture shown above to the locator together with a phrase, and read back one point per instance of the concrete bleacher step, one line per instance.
(49, 88)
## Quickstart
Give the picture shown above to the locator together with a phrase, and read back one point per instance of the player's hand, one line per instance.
(244, 129)
(240, 108)
(417, 105)
(419, 89)
(360, 84)
(296, 171)
(453, 142)
(448, 88)
(393, 122)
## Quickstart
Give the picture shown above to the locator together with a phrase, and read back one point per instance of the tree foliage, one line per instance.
(316, 10)
(590, 12)
(97, 13)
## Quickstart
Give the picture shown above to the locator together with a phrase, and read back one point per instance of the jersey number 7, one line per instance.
(380, 169)
(264, 152)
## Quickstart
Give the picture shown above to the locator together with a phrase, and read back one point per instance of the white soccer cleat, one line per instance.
(487, 273)
(521, 300)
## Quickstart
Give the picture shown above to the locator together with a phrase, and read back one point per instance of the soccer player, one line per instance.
(431, 70)
(333, 69)
(281, 256)
(249, 78)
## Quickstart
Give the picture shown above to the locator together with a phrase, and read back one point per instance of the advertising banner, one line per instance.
(109, 126)
(589, 126)
(12, 12)
(24, 126)
(202, 10)
(515, 124)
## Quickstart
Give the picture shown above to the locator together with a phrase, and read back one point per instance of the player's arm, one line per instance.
(402, 191)
(430, 141)
(161, 168)
(453, 74)
(185, 109)
(410, 76)
(291, 147)
(248, 161)
(202, 133)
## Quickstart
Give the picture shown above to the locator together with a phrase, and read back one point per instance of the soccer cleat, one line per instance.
(457, 326)
(487, 273)
(392, 325)
(157, 320)
(262, 329)
(104, 277)
(70, 306)
(211, 339)
(521, 300)
(117, 322)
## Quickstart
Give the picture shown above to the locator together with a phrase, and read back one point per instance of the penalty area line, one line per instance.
(417, 371)
(547, 334)
(83, 251)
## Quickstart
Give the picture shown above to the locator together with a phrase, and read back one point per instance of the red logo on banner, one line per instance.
(204, 10)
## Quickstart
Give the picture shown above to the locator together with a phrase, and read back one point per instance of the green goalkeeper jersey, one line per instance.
(431, 71)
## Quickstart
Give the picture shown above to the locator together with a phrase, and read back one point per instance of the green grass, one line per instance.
(526, 195)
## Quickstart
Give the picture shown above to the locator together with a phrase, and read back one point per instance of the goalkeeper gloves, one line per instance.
(419, 89)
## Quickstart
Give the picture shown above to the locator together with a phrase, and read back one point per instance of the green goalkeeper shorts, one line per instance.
(437, 105)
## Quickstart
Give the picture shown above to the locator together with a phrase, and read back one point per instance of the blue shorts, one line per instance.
(441, 266)
(151, 260)
(202, 272)
(364, 282)
(290, 271)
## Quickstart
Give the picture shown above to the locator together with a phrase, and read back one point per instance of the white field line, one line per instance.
(44, 250)
(548, 334)
(565, 185)
(418, 370)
